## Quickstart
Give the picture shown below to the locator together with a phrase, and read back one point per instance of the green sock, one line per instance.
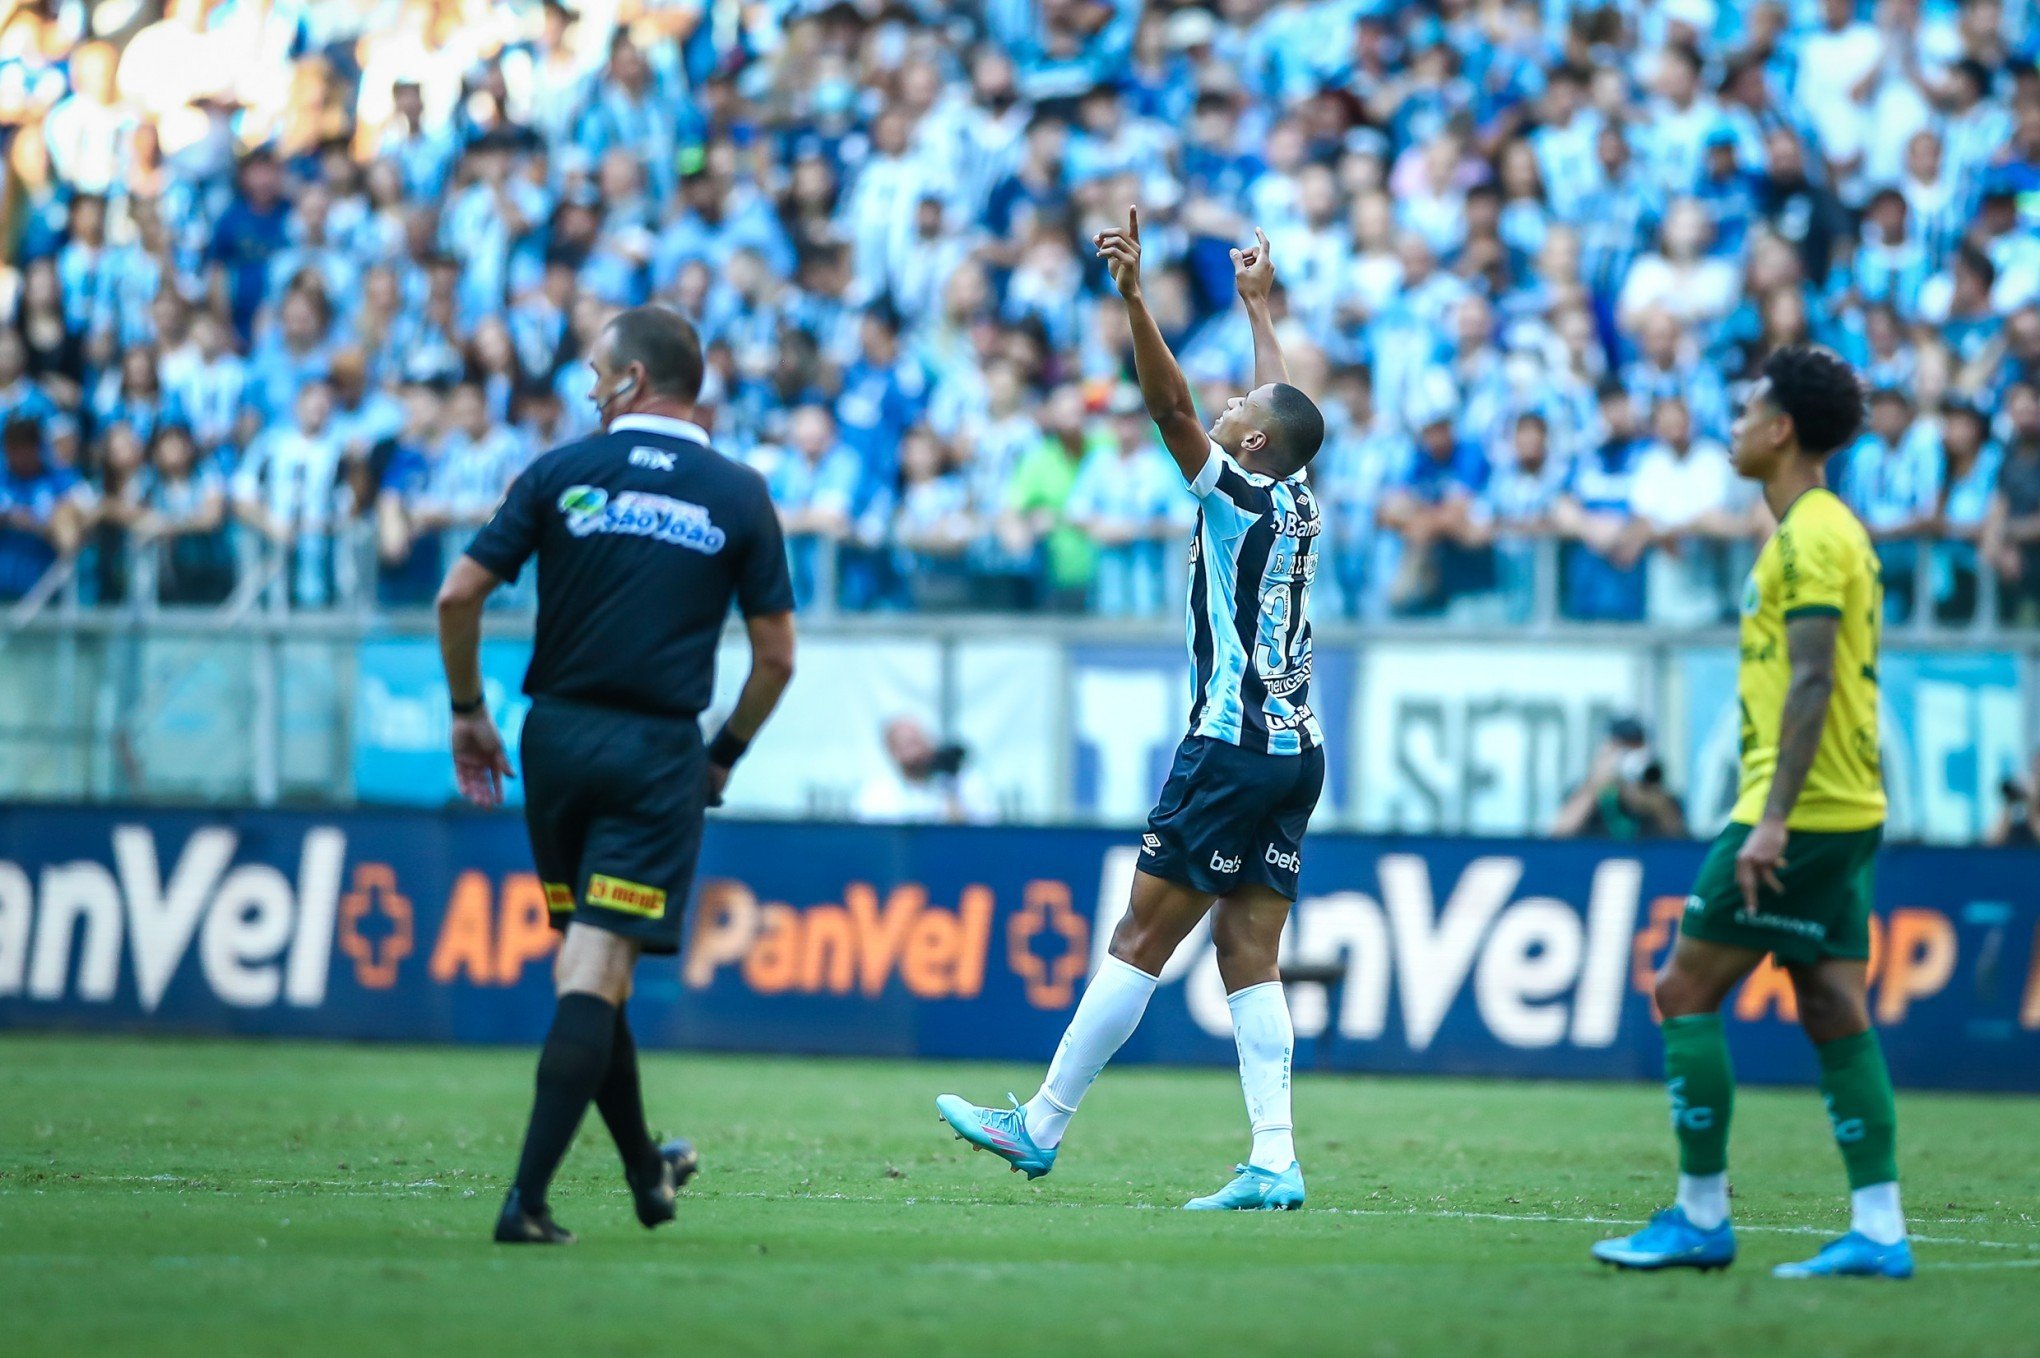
(1860, 1104)
(1702, 1087)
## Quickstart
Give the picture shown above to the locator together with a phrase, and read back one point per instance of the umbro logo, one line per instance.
(1150, 844)
(652, 458)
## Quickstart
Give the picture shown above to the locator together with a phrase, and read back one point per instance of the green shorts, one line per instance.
(1824, 911)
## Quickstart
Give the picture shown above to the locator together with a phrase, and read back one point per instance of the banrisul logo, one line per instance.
(640, 514)
(583, 506)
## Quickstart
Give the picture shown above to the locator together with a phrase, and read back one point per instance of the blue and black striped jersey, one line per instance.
(1251, 565)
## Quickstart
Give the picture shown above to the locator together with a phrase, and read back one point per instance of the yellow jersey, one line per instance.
(1820, 561)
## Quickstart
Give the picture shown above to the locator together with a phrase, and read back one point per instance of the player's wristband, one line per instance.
(727, 748)
(469, 708)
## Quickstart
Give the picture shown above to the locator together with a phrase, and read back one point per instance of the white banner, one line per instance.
(827, 738)
(1483, 739)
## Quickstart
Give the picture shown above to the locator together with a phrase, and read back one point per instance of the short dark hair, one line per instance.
(22, 431)
(1977, 262)
(1296, 428)
(1819, 393)
(665, 343)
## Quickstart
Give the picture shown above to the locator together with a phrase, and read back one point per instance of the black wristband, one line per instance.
(468, 709)
(726, 749)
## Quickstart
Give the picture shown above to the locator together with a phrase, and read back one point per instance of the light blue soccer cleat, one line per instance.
(1255, 1190)
(1671, 1241)
(1002, 1131)
(1853, 1256)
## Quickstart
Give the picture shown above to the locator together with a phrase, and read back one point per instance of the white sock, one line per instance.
(1704, 1197)
(1107, 1015)
(1267, 1042)
(1874, 1211)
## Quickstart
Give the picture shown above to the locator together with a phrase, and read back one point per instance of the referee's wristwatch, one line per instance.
(470, 707)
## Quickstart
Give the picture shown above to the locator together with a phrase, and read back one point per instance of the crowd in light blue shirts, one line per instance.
(353, 255)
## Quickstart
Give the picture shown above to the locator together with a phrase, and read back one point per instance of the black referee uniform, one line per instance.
(644, 536)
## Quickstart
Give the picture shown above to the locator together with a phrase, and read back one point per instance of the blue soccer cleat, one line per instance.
(1255, 1190)
(1855, 1255)
(1002, 1131)
(1671, 1241)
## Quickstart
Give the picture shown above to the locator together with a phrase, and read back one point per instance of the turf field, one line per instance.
(173, 1198)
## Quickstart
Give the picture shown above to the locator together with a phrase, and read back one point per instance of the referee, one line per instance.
(644, 536)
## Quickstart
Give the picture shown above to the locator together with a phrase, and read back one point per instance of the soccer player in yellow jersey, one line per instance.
(1791, 875)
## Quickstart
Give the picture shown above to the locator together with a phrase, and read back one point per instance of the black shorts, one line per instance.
(1229, 816)
(614, 804)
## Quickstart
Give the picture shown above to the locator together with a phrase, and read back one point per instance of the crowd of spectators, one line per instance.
(306, 282)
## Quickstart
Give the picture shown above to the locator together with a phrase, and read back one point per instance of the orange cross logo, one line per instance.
(1046, 908)
(375, 926)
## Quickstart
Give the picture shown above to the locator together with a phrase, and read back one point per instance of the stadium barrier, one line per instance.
(1444, 955)
(1430, 730)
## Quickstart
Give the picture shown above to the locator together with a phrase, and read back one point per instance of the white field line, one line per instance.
(363, 1188)
(98, 1261)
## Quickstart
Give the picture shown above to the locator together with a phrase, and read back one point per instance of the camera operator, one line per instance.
(2019, 826)
(923, 781)
(1624, 796)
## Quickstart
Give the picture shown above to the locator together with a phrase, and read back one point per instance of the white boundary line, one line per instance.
(366, 1188)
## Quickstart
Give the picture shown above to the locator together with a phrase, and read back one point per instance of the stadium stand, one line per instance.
(296, 288)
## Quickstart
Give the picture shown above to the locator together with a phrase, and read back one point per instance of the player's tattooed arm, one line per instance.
(1810, 651)
(1162, 384)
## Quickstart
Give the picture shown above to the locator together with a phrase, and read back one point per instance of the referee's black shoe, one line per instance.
(657, 1194)
(519, 1226)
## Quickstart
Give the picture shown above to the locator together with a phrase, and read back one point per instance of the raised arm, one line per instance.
(1162, 384)
(1254, 276)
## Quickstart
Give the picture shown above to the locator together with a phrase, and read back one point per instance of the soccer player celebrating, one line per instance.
(1791, 874)
(1229, 826)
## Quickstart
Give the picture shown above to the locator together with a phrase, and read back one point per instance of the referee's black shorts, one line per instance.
(614, 803)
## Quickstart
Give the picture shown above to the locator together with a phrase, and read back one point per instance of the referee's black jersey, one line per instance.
(644, 535)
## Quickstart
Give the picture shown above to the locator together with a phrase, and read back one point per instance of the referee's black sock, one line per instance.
(570, 1069)
(621, 1101)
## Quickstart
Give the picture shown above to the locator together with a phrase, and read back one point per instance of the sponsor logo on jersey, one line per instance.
(1294, 721)
(1288, 862)
(1220, 863)
(1289, 681)
(640, 514)
(1151, 844)
(1289, 524)
(652, 458)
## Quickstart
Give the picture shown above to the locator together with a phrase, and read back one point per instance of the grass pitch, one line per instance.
(186, 1198)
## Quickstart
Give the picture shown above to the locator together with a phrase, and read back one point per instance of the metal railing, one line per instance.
(253, 699)
(339, 573)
